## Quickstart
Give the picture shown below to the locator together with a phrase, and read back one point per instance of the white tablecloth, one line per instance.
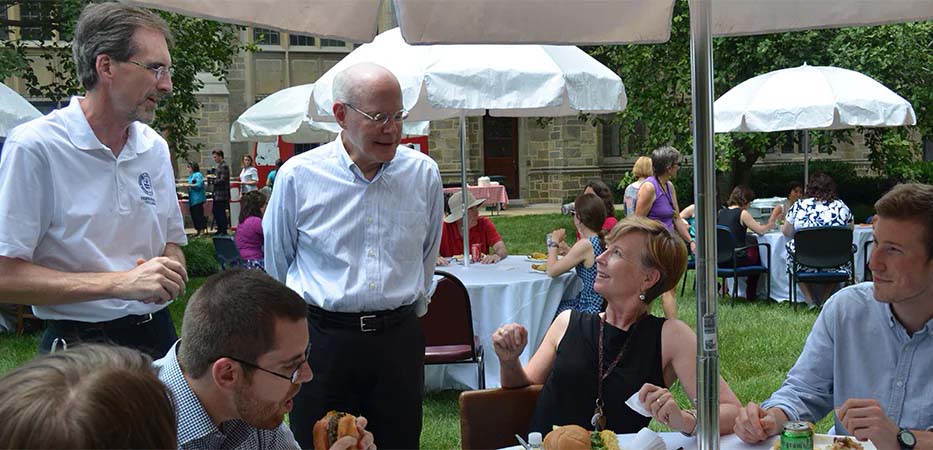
(780, 283)
(501, 293)
(675, 441)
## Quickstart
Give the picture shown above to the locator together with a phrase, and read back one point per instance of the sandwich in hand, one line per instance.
(332, 427)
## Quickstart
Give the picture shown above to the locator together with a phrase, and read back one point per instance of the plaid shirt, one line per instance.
(196, 430)
(222, 182)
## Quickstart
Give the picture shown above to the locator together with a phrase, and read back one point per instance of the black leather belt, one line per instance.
(364, 322)
(123, 322)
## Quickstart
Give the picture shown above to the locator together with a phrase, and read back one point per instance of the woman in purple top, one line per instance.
(657, 200)
(249, 231)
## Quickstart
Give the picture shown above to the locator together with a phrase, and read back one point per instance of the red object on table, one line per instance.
(475, 253)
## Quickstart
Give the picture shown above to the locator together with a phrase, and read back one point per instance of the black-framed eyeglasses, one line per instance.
(159, 71)
(293, 378)
(382, 117)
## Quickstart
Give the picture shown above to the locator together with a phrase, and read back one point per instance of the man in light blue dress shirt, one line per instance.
(241, 359)
(869, 357)
(354, 227)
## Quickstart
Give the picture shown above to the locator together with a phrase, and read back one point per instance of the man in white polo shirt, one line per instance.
(90, 230)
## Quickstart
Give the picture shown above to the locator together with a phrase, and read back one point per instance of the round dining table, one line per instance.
(780, 282)
(506, 292)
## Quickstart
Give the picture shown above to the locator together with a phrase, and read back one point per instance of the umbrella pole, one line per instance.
(805, 146)
(463, 192)
(707, 389)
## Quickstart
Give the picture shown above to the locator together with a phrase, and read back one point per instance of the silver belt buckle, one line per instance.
(363, 324)
(146, 320)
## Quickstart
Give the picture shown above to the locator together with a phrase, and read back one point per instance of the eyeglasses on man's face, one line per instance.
(381, 117)
(295, 375)
(159, 70)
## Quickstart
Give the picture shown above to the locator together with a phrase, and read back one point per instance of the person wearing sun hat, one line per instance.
(482, 231)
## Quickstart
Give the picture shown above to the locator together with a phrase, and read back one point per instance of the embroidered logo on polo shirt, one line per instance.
(145, 183)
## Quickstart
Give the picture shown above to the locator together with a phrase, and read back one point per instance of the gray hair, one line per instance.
(663, 158)
(349, 83)
(343, 87)
(108, 29)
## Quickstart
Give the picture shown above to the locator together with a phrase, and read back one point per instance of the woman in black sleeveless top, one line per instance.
(739, 220)
(640, 353)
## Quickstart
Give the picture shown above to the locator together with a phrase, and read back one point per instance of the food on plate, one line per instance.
(458, 258)
(332, 427)
(575, 437)
(542, 267)
(538, 255)
(844, 443)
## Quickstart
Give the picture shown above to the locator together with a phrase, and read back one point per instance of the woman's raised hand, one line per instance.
(509, 341)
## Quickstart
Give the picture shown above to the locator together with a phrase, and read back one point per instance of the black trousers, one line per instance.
(154, 337)
(197, 217)
(377, 375)
(219, 210)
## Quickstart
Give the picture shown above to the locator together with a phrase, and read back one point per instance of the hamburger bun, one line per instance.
(568, 437)
(332, 427)
(575, 437)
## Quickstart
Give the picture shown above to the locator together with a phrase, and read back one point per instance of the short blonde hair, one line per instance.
(642, 167)
(664, 252)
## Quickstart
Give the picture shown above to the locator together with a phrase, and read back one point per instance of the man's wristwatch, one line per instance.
(906, 439)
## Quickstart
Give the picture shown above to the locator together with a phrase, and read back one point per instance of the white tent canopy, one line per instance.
(349, 20)
(14, 110)
(581, 22)
(577, 22)
(810, 98)
(285, 113)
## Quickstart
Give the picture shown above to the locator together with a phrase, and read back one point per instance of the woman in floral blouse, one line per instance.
(820, 207)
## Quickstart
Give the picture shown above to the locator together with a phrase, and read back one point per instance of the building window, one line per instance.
(619, 141)
(300, 40)
(4, 29)
(332, 43)
(36, 17)
(301, 148)
(264, 36)
(788, 145)
(612, 139)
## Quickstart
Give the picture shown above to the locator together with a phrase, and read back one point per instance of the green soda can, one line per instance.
(797, 435)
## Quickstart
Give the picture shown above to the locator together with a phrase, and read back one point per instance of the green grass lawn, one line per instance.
(758, 341)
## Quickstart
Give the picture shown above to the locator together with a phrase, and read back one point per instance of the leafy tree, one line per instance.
(657, 80)
(200, 46)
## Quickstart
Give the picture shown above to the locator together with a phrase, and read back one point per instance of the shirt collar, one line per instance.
(193, 421)
(355, 170)
(83, 137)
(893, 323)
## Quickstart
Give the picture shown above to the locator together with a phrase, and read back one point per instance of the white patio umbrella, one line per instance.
(14, 110)
(810, 98)
(285, 113)
(445, 81)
